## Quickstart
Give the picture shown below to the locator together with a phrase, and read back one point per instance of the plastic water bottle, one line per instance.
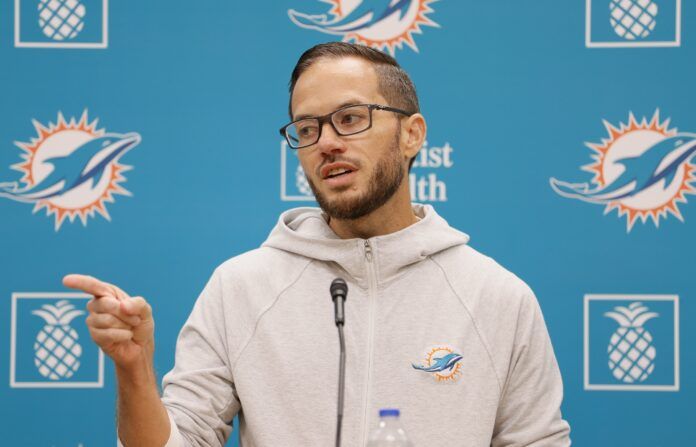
(390, 433)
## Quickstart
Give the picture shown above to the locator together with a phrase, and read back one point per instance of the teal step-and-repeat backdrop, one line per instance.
(561, 137)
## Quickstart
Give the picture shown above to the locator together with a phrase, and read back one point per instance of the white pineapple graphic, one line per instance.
(631, 352)
(301, 182)
(61, 19)
(56, 350)
(632, 19)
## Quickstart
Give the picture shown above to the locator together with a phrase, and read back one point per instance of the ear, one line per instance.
(413, 131)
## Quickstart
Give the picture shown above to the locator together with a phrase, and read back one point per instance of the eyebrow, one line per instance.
(350, 102)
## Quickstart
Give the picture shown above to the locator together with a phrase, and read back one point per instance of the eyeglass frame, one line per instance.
(328, 117)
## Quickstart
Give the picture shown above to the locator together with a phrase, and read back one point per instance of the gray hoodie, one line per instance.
(433, 328)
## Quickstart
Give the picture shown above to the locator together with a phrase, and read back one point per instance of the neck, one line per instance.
(391, 217)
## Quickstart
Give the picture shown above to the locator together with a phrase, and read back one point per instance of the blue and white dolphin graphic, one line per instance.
(659, 162)
(441, 363)
(85, 163)
(365, 15)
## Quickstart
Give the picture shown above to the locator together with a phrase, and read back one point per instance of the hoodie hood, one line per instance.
(305, 232)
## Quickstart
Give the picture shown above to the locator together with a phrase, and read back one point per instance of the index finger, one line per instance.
(88, 284)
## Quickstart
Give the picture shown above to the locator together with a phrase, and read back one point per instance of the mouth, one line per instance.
(337, 170)
(338, 176)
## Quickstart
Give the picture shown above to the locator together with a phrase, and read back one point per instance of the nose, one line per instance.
(329, 141)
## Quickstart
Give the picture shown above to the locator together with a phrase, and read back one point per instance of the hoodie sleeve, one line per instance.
(529, 413)
(199, 392)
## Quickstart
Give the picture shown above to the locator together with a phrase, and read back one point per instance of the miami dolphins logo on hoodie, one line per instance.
(443, 362)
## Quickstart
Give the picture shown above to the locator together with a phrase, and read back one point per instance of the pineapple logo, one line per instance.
(643, 169)
(293, 182)
(302, 183)
(382, 24)
(61, 19)
(56, 349)
(631, 351)
(632, 23)
(631, 342)
(75, 24)
(632, 19)
(71, 169)
(47, 342)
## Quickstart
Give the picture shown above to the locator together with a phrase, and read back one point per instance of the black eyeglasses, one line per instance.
(345, 121)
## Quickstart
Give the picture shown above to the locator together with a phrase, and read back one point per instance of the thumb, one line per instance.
(137, 306)
(143, 333)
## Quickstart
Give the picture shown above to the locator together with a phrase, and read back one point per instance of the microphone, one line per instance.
(339, 292)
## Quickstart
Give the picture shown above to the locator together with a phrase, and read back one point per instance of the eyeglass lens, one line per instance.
(347, 121)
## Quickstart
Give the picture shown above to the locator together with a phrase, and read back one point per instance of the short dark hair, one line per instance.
(394, 83)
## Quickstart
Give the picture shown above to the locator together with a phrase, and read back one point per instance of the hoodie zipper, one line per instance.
(372, 287)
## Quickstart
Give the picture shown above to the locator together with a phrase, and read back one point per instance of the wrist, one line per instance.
(140, 372)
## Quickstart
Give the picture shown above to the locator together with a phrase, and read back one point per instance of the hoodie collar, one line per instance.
(304, 231)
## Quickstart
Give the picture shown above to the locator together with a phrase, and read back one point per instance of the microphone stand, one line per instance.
(339, 292)
(341, 383)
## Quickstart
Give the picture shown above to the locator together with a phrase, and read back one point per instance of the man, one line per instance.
(261, 341)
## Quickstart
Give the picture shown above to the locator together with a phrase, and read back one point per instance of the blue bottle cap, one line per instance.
(389, 412)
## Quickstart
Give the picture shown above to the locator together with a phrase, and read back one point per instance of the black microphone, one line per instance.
(339, 292)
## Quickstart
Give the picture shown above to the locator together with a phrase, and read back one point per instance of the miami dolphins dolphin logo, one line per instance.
(71, 169)
(443, 362)
(381, 24)
(643, 170)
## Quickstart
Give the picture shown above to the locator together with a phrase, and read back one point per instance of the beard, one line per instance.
(383, 184)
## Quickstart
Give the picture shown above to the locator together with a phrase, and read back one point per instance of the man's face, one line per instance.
(353, 175)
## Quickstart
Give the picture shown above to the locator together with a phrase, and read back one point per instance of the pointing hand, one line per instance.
(122, 326)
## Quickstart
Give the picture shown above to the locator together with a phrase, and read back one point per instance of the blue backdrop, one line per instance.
(560, 139)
